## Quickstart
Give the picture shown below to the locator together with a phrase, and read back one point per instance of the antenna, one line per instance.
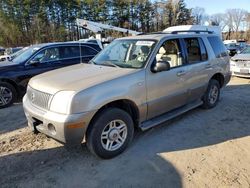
(80, 45)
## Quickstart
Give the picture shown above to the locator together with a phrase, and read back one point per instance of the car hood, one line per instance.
(241, 57)
(6, 65)
(76, 78)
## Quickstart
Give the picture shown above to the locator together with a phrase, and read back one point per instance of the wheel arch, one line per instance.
(13, 83)
(220, 78)
(124, 104)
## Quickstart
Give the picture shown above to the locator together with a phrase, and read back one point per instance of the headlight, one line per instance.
(61, 102)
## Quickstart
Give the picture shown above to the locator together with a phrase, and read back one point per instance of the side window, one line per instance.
(87, 51)
(218, 47)
(47, 55)
(170, 51)
(69, 52)
(193, 50)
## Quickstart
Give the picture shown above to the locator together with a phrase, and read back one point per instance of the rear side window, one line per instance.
(196, 50)
(70, 52)
(218, 47)
(87, 51)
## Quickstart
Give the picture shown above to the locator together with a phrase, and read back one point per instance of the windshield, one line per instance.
(14, 55)
(125, 53)
(25, 54)
(246, 51)
(231, 45)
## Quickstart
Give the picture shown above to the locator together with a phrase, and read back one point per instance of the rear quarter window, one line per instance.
(88, 51)
(218, 47)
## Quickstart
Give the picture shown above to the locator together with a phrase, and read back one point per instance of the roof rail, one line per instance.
(153, 33)
(191, 31)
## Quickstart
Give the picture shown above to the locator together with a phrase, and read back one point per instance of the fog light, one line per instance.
(52, 129)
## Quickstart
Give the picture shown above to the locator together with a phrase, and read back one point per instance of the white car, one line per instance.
(240, 63)
(4, 57)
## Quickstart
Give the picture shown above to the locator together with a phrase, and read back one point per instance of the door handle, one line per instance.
(181, 73)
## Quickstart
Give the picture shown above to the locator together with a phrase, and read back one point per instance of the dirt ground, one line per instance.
(202, 148)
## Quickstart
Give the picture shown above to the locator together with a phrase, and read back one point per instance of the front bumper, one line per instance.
(68, 129)
(241, 72)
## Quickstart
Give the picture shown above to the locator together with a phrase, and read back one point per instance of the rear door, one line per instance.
(198, 67)
(69, 54)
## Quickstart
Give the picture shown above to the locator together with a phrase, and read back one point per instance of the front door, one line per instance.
(167, 90)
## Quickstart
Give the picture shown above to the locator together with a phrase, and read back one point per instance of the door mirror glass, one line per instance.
(161, 66)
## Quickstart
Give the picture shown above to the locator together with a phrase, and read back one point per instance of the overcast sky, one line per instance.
(218, 6)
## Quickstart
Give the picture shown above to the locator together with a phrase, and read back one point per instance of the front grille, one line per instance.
(38, 98)
(243, 63)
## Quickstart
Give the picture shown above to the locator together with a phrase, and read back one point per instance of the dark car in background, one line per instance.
(37, 59)
(232, 48)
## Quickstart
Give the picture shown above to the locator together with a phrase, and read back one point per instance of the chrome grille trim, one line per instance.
(38, 98)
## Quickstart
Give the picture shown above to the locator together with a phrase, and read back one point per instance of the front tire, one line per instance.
(212, 94)
(110, 133)
(8, 94)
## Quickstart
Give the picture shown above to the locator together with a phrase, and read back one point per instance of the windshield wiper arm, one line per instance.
(110, 63)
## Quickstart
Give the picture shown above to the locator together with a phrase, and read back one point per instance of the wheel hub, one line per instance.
(113, 134)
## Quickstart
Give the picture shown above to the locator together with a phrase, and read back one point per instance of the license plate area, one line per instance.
(244, 71)
(35, 123)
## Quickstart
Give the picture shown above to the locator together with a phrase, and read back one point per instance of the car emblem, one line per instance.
(32, 97)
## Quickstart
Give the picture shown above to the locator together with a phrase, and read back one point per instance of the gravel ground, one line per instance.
(202, 148)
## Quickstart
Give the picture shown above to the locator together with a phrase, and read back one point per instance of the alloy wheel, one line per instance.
(114, 135)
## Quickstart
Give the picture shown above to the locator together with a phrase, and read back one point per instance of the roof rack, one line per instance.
(153, 33)
(191, 31)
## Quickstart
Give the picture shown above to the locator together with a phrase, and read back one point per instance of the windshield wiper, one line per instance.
(110, 63)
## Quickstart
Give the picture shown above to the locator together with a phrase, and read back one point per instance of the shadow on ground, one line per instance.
(140, 165)
(12, 118)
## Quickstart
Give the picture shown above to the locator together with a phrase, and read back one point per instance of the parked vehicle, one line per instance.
(7, 58)
(37, 59)
(240, 63)
(94, 41)
(138, 81)
(9, 52)
(234, 46)
(2, 50)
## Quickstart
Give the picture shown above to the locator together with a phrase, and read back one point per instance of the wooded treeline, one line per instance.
(24, 22)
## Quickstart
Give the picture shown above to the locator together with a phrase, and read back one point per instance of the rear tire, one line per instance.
(8, 94)
(110, 133)
(212, 94)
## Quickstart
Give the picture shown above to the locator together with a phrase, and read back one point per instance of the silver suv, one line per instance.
(135, 82)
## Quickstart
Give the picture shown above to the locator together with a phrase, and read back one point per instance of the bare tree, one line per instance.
(199, 15)
(234, 19)
(218, 20)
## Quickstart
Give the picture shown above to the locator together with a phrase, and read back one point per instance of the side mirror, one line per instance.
(161, 66)
(34, 62)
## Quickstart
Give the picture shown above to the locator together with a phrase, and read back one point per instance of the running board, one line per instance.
(169, 115)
